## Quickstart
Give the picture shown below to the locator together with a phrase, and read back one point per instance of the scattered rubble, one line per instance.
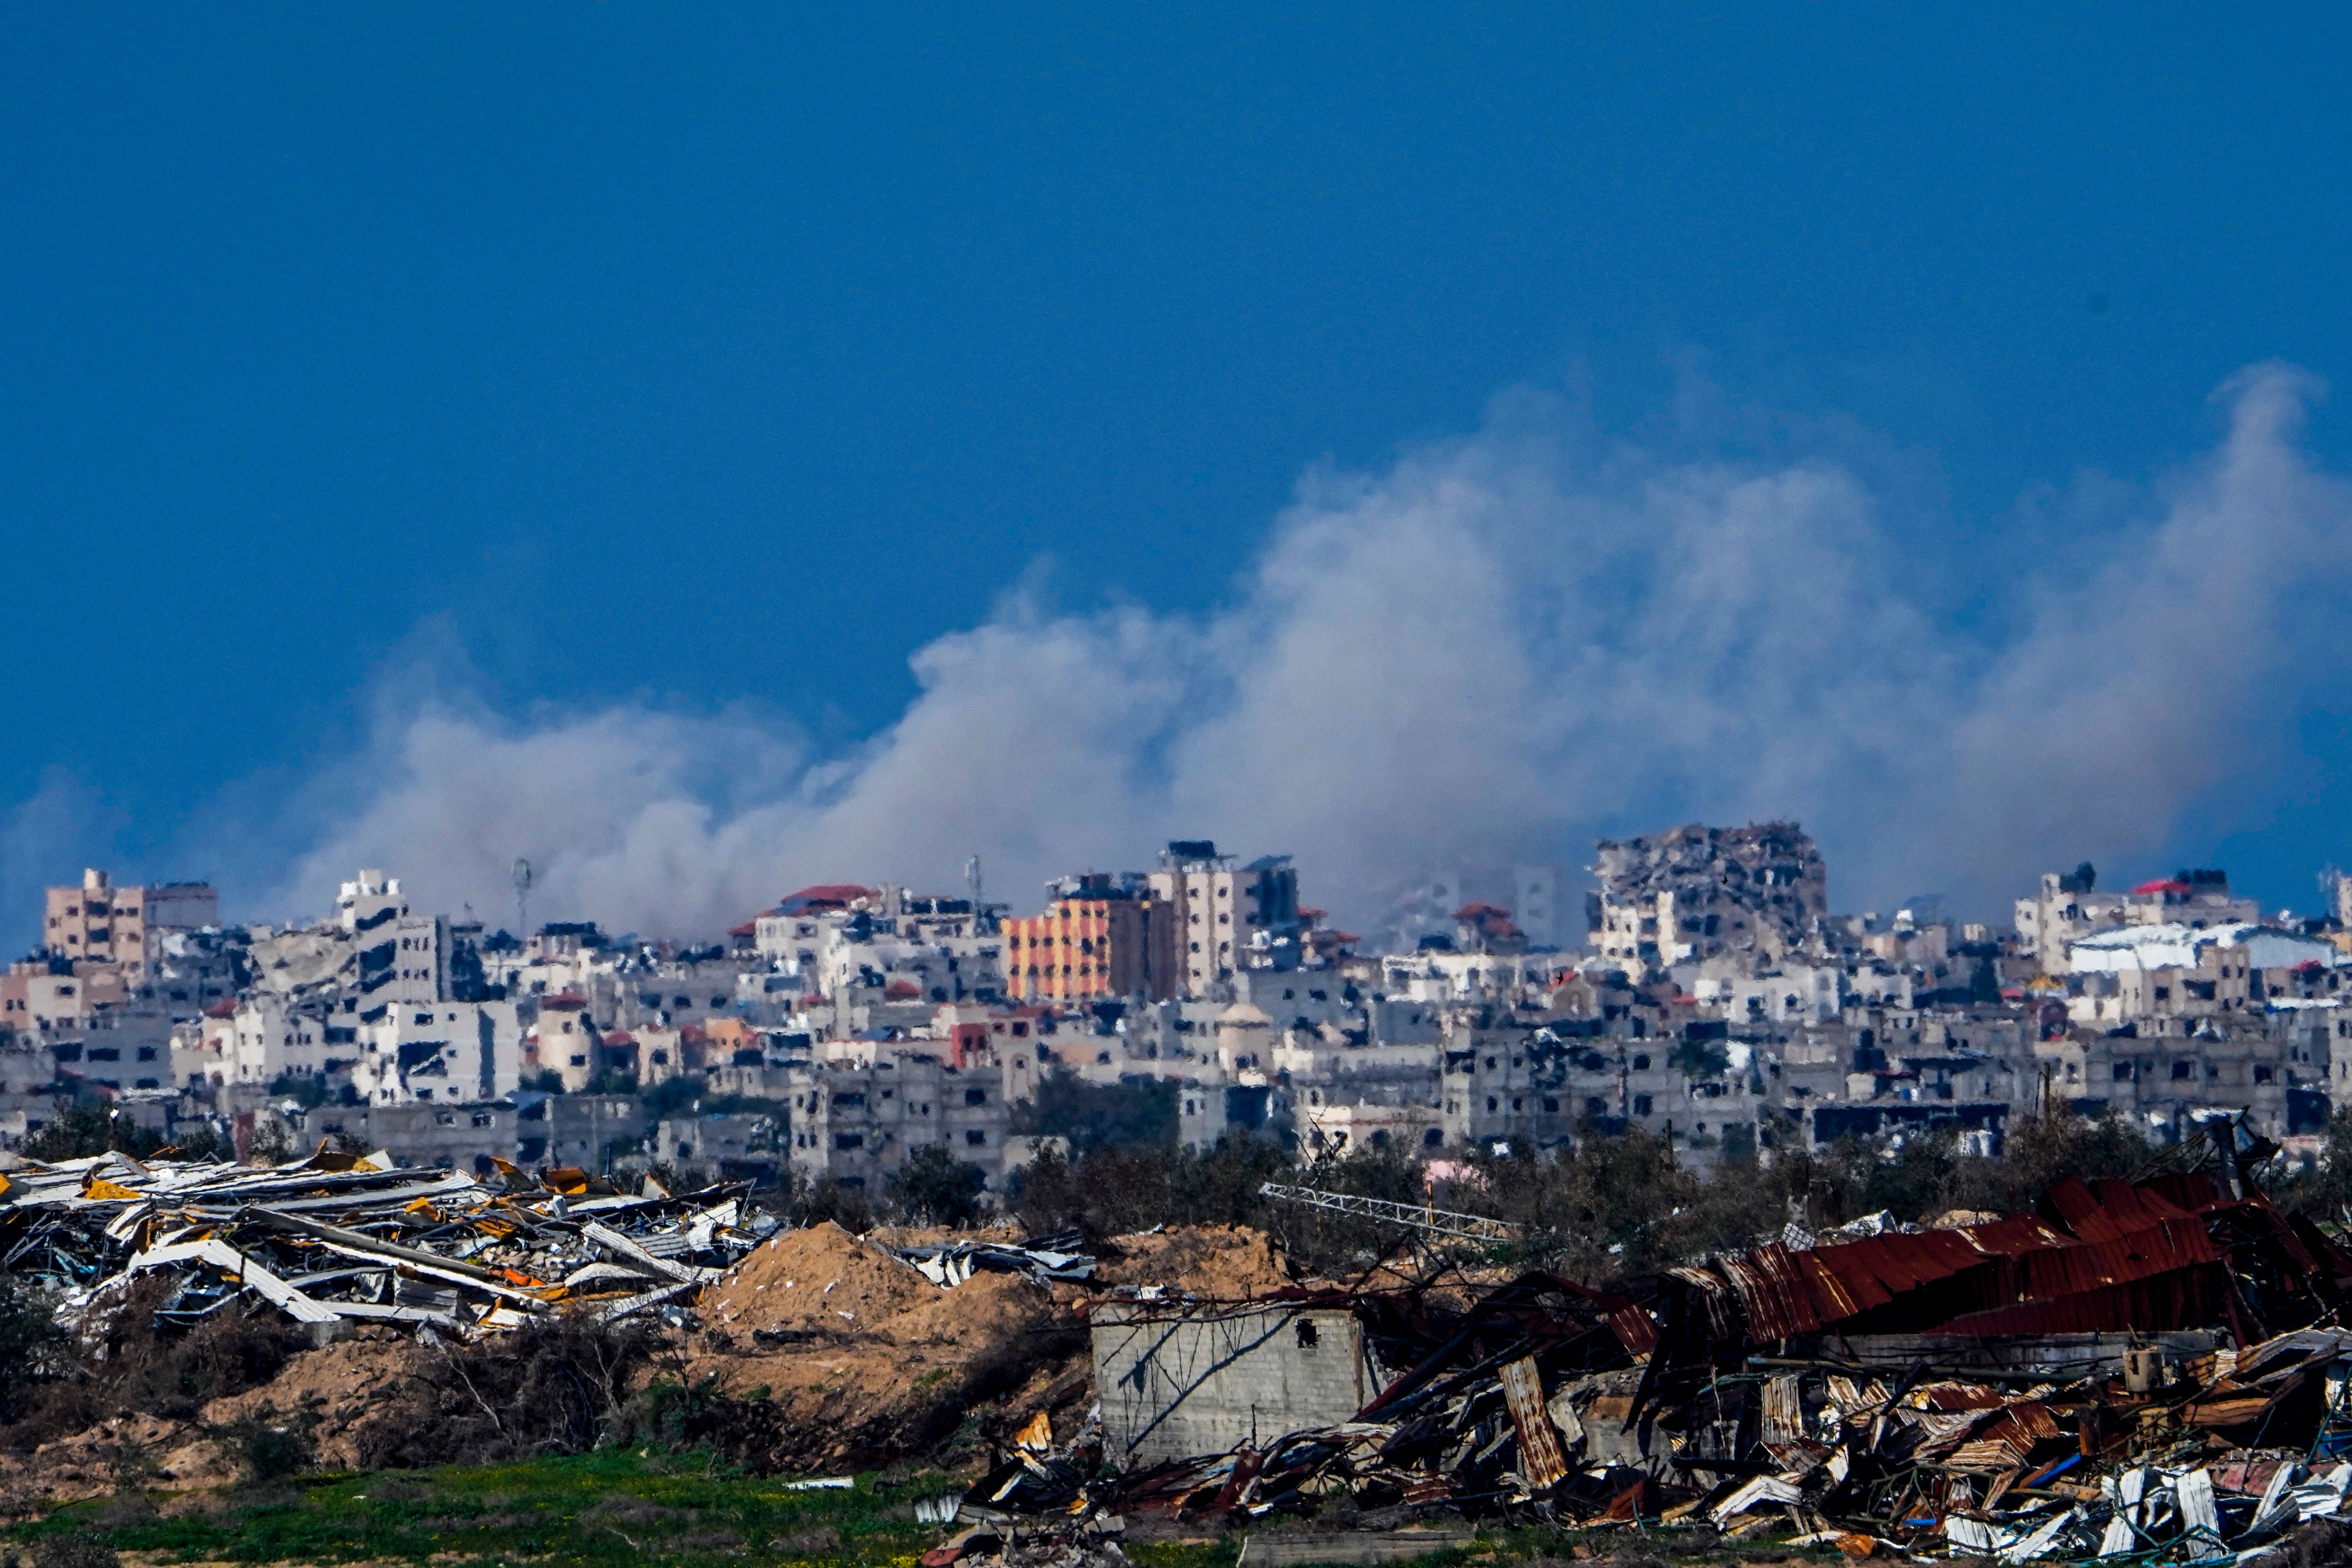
(2150, 1370)
(338, 1240)
(2155, 1369)
(1697, 891)
(1043, 1258)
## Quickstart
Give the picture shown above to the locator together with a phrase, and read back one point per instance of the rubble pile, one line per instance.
(1443, 1431)
(1090, 1542)
(1764, 886)
(1044, 1259)
(340, 1240)
(2150, 1369)
(1759, 857)
(866, 1350)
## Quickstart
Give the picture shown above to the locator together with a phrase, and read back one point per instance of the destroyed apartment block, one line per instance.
(1695, 892)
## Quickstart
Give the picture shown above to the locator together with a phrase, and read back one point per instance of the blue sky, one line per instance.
(711, 363)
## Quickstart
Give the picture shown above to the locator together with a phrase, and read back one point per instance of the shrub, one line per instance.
(685, 1413)
(124, 1359)
(201, 1141)
(31, 1343)
(1699, 1059)
(934, 1187)
(80, 1130)
(271, 1448)
(814, 1202)
(2325, 1192)
(272, 1142)
(554, 1387)
(310, 1089)
(1133, 1112)
(74, 1548)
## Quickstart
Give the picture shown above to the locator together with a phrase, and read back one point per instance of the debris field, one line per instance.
(339, 1240)
(2157, 1370)
(2152, 1370)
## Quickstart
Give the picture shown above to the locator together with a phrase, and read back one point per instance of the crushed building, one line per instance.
(1695, 892)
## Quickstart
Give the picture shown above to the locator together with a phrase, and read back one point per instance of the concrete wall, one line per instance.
(1173, 1385)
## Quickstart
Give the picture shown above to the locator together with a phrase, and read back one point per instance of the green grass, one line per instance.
(1180, 1554)
(640, 1510)
(624, 1509)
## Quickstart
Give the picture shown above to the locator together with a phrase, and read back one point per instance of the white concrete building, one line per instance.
(2065, 912)
(270, 1036)
(448, 1052)
(1219, 906)
(401, 957)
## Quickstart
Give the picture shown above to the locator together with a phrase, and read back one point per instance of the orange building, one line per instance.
(1085, 947)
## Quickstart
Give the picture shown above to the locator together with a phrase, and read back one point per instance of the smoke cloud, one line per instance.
(1490, 651)
(62, 827)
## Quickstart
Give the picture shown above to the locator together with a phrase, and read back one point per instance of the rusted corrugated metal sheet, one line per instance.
(1772, 1293)
(2187, 1297)
(2018, 1233)
(1799, 1285)
(1988, 1455)
(2067, 1270)
(1951, 1397)
(2109, 1210)
(1834, 1298)
(2026, 1423)
(2192, 1192)
(2127, 1257)
(1634, 1328)
(1541, 1464)
(1715, 1300)
(1899, 1262)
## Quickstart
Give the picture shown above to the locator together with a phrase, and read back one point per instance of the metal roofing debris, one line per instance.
(1044, 1259)
(339, 1239)
(2147, 1368)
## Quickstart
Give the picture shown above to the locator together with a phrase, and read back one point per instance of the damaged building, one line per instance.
(1695, 892)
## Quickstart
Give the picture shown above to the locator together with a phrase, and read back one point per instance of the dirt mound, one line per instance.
(819, 1279)
(868, 1361)
(137, 1451)
(1219, 1262)
(899, 1236)
(352, 1384)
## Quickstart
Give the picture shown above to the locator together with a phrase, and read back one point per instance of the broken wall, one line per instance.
(1175, 1386)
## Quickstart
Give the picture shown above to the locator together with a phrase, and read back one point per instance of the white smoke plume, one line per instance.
(51, 837)
(1497, 647)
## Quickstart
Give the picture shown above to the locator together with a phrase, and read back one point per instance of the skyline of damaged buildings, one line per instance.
(1716, 999)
